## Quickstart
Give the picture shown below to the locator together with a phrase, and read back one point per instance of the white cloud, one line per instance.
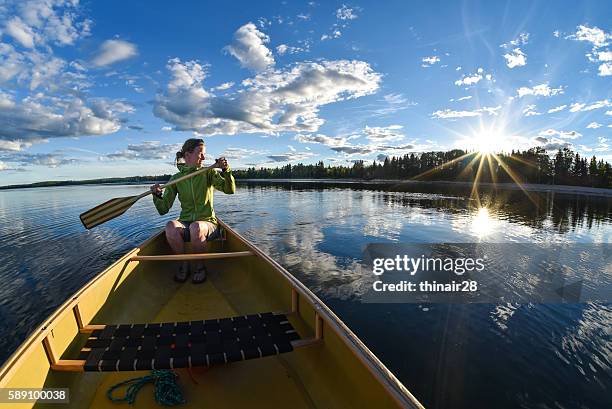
(490, 110)
(379, 136)
(593, 35)
(594, 125)
(464, 98)
(542, 90)
(51, 160)
(345, 13)
(112, 51)
(515, 58)
(557, 109)
(273, 101)
(598, 38)
(11, 62)
(354, 149)
(583, 107)
(608, 112)
(560, 134)
(284, 49)
(469, 80)
(147, 150)
(604, 55)
(321, 139)
(21, 32)
(522, 39)
(166, 128)
(36, 23)
(223, 87)
(14, 145)
(44, 69)
(384, 133)
(239, 153)
(447, 113)
(334, 34)
(392, 103)
(530, 110)
(57, 105)
(458, 68)
(450, 114)
(185, 75)
(395, 99)
(551, 144)
(35, 119)
(605, 70)
(249, 48)
(556, 33)
(429, 61)
(373, 148)
(290, 156)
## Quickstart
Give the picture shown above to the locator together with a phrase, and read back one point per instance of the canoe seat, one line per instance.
(131, 347)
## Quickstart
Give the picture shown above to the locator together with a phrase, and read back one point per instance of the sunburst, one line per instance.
(485, 144)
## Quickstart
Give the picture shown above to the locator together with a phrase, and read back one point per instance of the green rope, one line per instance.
(167, 391)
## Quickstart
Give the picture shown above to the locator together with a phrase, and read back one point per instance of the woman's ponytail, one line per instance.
(179, 162)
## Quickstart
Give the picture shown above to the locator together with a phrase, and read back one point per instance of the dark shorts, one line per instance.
(214, 232)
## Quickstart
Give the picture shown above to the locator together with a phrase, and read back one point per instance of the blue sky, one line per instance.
(113, 88)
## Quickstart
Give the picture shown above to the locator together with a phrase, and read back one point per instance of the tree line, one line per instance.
(530, 166)
(534, 165)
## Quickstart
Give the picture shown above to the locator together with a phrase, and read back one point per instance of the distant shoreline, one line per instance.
(586, 190)
(595, 191)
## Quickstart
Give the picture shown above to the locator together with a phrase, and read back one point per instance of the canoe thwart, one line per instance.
(197, 256)
(88, 329)
(134, 347)
(69, 365)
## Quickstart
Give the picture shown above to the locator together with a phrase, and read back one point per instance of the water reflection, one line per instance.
(482, 224)
(317, 231)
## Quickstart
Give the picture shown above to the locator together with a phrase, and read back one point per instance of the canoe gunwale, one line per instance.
(388, 380)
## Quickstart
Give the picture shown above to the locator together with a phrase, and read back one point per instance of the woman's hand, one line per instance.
(221, 163)
(156, 189)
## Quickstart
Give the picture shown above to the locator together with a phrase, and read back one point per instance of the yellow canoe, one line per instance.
(327, 366)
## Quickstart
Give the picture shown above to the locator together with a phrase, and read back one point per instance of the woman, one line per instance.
(197, 221)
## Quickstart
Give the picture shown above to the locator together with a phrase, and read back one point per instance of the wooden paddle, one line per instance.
(117, 206)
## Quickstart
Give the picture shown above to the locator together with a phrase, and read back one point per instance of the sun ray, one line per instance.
(468, 167)
(442, 166)
(474, 194)
(514, 177)
(523, 161)
(491, 171)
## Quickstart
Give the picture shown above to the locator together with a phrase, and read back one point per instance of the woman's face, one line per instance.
(195, 157)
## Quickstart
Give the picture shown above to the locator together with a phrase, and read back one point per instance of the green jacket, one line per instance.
(195, 194)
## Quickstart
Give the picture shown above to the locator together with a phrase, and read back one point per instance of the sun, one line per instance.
(484, 143)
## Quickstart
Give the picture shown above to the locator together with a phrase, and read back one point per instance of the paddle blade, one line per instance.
(107, 211)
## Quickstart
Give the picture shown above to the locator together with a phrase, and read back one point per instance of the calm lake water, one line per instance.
(449, 356)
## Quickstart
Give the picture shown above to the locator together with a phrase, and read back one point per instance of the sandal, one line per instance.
(182, 274)
(199, 276)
